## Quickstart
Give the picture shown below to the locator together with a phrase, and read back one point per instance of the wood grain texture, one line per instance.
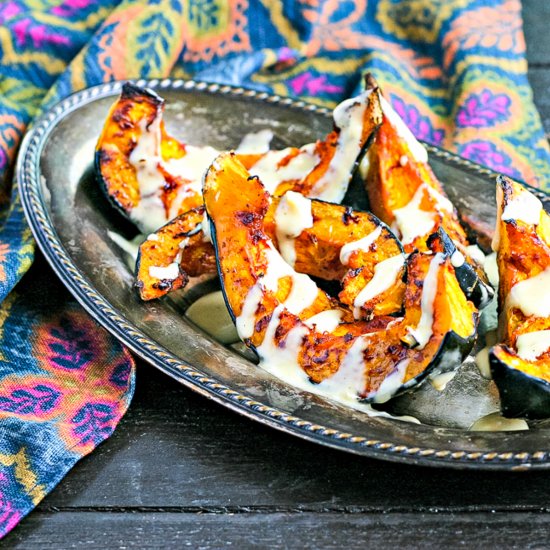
(176, 449)
(182, 471)
(276, 530)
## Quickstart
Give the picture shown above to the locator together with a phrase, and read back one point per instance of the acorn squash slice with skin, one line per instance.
(321, 239)
(404, 192)
(148, 175)
(152, 178)
(306, 338)
(520, 363)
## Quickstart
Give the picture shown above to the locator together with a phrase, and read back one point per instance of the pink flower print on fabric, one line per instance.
(38, 34)
(313, 85)
(8, 10)
(420, 125)
(70, 7)
(70, 345)
(9, 516)
(484, 109)
(94, 422)
(487, 154)
(36, 400)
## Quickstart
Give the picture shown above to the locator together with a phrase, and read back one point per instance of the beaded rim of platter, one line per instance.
(36, 210)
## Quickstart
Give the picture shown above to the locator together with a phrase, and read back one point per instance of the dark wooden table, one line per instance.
(181, 471)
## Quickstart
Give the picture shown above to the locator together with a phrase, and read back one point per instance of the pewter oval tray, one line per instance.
(70, 219)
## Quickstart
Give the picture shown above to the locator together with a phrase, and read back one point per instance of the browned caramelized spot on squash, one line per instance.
(523, 253)
(179, 237)
(122, 129)
(394, 177)
(246, 257)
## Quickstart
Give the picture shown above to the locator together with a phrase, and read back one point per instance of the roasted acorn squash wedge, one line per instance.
(302, 335)
(136, 117)
(324, 240)
(471, 277)
(402, 189)
(169, 256)
(151, 177)
(520, 364)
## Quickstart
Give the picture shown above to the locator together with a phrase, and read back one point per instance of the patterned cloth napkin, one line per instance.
(455, 70)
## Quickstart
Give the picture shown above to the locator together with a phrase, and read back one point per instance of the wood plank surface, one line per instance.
(176, 449)
(182, 471)
(278, 530)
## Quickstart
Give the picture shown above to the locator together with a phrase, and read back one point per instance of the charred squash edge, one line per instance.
(472, 278)
(450, 342)
(521, 395)
(129, 92)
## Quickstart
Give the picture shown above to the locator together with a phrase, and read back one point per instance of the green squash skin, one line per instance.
(478, 291)
(449, 357)
(521, 395)
(105, 190)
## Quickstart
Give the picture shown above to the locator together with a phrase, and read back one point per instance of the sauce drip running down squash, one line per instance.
(277, 310)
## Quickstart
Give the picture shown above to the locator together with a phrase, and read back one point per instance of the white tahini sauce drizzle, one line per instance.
(297, 168)
(440, 380)
(150, 213)
(292, 216)
(146, 157)
(255, 143)
(417, 150)
(191, 167)
(364, 166)
(457, 259)
(495, 422)
(349, 117)
(423, 332)
(524, 206)
(532, 345)
(476, 253)
(385, 275)
(411, 221)
(491, 268)
(391, 383)
(170, 272)
(205, 226)
(483, 364)
(302, 293)
(210, 313)
(349, 380)
(363, 244)
(326, 321)
(532, 296)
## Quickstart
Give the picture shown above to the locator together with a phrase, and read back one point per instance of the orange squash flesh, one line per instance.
(137, 108)
(391, 184)
(317, 253)
(244, 252)
(523, 253)
(166, 246)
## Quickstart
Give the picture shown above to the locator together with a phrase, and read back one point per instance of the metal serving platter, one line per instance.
(70, 219)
